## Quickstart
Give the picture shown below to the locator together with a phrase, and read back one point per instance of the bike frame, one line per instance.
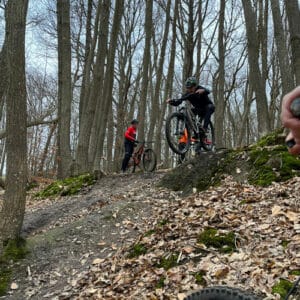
(137, 155)
(189, 116)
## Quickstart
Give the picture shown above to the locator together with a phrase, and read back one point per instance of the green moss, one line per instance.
(5, 278)
(13, 251)
(168, 262)
(149, 232)
(272, 164)
(271, 139)
(163, 222)
(295, 272)
(284, 243)
(68, 186)
(282, 288)
(161, 282)
(137, 250)
(199, 277)
(210, 237)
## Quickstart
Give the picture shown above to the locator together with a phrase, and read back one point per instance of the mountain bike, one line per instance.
(184, 128)
(145, 155)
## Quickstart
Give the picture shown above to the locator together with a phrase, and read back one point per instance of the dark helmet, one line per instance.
(134, 121)
(191, 81)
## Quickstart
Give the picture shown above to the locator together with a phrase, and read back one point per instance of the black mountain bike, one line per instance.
(184, 128)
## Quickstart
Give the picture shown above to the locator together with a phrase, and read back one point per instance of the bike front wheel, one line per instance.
(149, 160)
(178, 133)
(221, 293)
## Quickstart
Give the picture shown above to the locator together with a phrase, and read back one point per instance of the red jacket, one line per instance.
(130, 134)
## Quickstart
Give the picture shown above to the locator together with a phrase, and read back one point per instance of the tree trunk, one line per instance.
(189, 43)
(64, 88)
(87, 58)
(220, 99)
(168, 87)
(46, 149)
(292, 11)
(12, 214)
(101, 125)
(3, 75)
(159, 73)
(90, 112)
(145, 76)
(281, 49)
(255, 74)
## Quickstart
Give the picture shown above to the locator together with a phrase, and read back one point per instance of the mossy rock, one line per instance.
(274, 164)
(282, 288)
(276, 137)
(66, 187)
(260, 164)
(223, 242)
(200, 173)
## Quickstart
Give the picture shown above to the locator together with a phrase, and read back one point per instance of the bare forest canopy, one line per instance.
(92, 66)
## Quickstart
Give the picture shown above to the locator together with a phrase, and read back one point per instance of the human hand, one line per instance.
(171, 101)
(200, 91)
(289, 120)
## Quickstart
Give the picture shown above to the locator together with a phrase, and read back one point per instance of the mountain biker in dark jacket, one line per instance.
(129, 143)
(198, 96)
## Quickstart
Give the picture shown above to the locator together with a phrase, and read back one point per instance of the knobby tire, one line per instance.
(174, 145)
(221, 293)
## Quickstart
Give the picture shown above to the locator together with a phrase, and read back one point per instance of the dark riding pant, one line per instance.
(129, 147)
(206, 114)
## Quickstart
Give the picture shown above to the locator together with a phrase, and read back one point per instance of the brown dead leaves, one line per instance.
(265, 222)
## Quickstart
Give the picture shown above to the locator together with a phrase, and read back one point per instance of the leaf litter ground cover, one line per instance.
(170, 259)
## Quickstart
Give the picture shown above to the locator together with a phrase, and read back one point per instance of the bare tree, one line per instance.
(255, 74)
(220, 99)
(64, 88)
(281, 48)
(101, 122)
(292, 11)
(13, 210)
(159, 74)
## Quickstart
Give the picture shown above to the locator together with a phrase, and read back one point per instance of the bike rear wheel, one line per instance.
(149, 160)
(176, 128)
(131, 166)
(221, 293)
(208, 141)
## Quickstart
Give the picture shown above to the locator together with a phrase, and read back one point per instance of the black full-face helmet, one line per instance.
(134, 121)
(190, 82)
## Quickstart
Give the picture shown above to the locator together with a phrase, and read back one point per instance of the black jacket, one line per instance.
(199, 102)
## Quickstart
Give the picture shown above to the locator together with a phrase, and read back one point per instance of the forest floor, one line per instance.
(128, 238)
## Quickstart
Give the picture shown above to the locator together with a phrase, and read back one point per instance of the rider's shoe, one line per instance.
(207, 141)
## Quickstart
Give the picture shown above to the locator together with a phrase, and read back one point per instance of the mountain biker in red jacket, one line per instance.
(198, 96)
(129, 143)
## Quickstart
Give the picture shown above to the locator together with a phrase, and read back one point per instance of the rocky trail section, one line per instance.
(66, 235)
(173, 256)
(128, 237)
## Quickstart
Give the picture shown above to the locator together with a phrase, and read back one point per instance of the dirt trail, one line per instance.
(66, 236)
